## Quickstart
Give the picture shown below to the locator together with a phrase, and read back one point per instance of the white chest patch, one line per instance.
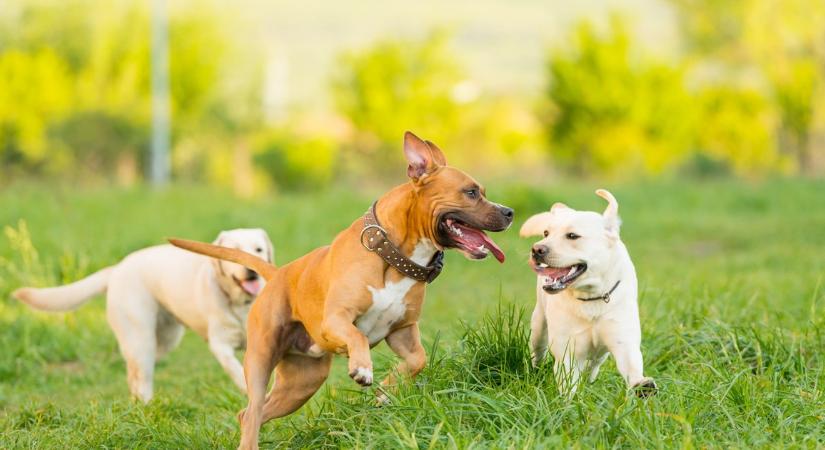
(388, 304)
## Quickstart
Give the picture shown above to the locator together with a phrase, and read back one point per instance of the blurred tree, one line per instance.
(103, 143)
(295, 162)
(35, 88)
(612, 112)
(782, 40)
(737, 132)
(792, 55)
(394, 86)
(83, 65)
(713, 27)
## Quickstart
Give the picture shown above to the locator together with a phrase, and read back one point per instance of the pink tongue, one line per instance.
(493, 248)
(474, 238)
(251, 287)
(555, 272)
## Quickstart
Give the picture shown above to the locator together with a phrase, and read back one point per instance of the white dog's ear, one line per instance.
(270, 251)
(611, 213)
(558, 206)
(535, 226)
(216, 263)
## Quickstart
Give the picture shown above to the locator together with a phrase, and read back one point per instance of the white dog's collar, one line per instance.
(605, 297)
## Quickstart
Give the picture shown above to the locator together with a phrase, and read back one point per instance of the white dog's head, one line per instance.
(242, 284)
(578, 245)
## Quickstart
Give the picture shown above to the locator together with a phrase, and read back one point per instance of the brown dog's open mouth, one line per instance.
(473, 242)
(557, 279)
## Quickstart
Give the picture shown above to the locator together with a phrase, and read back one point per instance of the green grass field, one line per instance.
(731, 305)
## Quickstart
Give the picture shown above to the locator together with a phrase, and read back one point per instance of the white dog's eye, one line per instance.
(572, 236)
(258, 249)
(546, 233)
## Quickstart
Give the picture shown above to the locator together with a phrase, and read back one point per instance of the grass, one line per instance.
(732, 291)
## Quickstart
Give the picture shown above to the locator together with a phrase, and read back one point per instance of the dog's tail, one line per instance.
(263, 268)
(67, 297)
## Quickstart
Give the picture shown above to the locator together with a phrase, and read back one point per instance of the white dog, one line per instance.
(153, 293)
(587, 289)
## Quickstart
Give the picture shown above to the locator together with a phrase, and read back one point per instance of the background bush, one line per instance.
(732, 99)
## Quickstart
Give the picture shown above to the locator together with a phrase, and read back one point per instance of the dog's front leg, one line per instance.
(225, 355)
(338, 329)
(538, 333)
(406, 343)
(629, 363)
(568, 367)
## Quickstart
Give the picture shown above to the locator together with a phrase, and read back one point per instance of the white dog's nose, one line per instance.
(540, 250)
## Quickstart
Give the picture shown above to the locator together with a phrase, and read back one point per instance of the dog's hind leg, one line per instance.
(262, 354)
(132, 313)
(595, 365)
(297, 378)
(406, 343)
(168, 333)
(538, 333)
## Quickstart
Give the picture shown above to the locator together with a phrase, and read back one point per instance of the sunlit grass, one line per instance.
(732, 283)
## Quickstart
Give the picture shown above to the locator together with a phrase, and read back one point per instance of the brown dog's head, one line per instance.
(456, 202)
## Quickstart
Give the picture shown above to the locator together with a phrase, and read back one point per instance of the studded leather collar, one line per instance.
(374, 238)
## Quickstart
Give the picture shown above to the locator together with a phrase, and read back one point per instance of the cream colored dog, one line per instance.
(153, 293)
(587, 289)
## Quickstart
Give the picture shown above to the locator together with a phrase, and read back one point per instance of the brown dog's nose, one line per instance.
(507, 213)
(540, 251)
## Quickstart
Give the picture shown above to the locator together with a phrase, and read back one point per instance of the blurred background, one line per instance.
(277, 96)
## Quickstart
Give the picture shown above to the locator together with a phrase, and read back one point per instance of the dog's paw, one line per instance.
(362, 376)
(645, 388)
(382, 400)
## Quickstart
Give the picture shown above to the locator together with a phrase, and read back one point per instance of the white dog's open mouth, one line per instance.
(556, 279)
(251, 286)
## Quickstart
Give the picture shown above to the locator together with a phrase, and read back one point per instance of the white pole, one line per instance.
(159, 158)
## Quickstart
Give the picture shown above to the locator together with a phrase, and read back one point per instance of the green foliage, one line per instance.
(75, 89)
(293, 162)
(101, 142)
(713, 26)
(614, 113)
(35, 89)
(737, 131)
(781, 42)
(398, 85)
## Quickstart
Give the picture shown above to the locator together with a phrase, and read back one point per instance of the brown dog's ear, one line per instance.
(535, 225)
(422, 158)
(438, 155)
(611, 213)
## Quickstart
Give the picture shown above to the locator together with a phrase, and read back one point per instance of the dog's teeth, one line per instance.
(482, 248)
(543, 266)
(572, 270)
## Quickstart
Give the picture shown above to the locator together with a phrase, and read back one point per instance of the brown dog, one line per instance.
(343, 299)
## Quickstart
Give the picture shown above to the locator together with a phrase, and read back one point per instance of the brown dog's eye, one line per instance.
(546, 233)
(471, 193)
(572, 236)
